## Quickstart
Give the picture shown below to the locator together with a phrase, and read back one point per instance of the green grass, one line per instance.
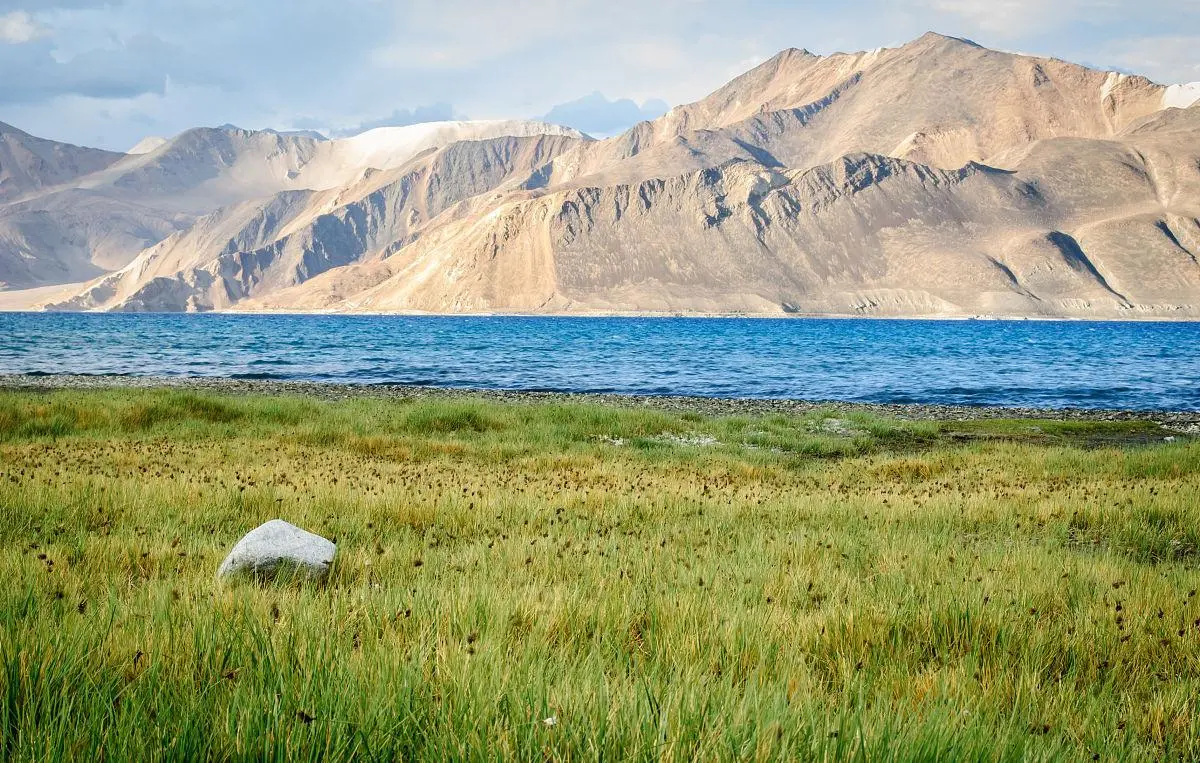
(665, 586)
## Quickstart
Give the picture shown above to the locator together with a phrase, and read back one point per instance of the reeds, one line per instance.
(780, 591)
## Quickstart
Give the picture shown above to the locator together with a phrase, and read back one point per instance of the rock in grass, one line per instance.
(279, 550)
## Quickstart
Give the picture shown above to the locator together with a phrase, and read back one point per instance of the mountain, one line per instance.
(863, 235)
(28, 164)
(935, 179)
(284, 240)
(72, 236)
(939, 100)
(75, 227)
(205, 168)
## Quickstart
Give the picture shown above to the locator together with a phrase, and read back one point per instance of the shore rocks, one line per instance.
(279, 549)
(1184, 422)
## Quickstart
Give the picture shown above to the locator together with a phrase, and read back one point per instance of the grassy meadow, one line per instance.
(575, 582)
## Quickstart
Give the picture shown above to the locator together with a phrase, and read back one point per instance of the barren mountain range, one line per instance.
(935, 179)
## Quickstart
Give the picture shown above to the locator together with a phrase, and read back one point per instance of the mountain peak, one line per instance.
(796, 53)
(205, 133)
(788, 55)
(938, 39)
(783, 61)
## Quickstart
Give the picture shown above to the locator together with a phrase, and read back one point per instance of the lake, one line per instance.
(1011, 363)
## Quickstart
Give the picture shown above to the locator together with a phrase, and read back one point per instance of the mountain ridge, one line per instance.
(938, 178)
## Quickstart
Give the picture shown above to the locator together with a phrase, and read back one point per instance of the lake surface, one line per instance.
(1017, 363)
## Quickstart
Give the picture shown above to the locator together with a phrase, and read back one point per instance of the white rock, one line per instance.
(278, 546)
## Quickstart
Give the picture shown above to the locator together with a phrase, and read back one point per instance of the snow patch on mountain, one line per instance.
(343, 161)
(389, 147)
(1110, 84)
(1181, 96)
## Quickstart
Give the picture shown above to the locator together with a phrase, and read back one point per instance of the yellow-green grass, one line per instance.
(661, 585)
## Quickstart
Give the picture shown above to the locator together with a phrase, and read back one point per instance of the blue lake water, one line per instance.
(1020, 363)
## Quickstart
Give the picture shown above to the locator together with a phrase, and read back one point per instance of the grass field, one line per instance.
(574, 582)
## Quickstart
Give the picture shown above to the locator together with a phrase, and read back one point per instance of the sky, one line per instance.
(107, 73)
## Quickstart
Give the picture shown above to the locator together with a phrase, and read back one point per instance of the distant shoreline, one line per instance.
(15, 307)
(1184, 421)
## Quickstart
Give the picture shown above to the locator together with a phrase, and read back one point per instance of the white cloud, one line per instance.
(18, 28)
(1010, 17)
(123, 68)
(459, 35)
(38, 6)
(1014, 18)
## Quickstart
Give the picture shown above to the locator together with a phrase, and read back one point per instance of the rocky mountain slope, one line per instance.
(940, 100)
(863, 235)
(75, 226)
(265, 245)
(936, 179)
(28, 164)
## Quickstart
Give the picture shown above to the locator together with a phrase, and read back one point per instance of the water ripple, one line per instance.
(1056, 364)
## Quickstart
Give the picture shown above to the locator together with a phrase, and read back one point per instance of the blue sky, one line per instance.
(108, 72)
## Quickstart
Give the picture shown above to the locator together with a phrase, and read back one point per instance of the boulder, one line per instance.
(277, 549)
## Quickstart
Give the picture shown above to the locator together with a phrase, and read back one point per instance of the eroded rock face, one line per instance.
(277, 549)
(937, 179)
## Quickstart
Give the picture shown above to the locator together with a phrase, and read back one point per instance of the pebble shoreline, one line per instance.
(1184, 421)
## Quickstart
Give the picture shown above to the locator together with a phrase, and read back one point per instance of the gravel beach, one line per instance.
(1182, 421)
